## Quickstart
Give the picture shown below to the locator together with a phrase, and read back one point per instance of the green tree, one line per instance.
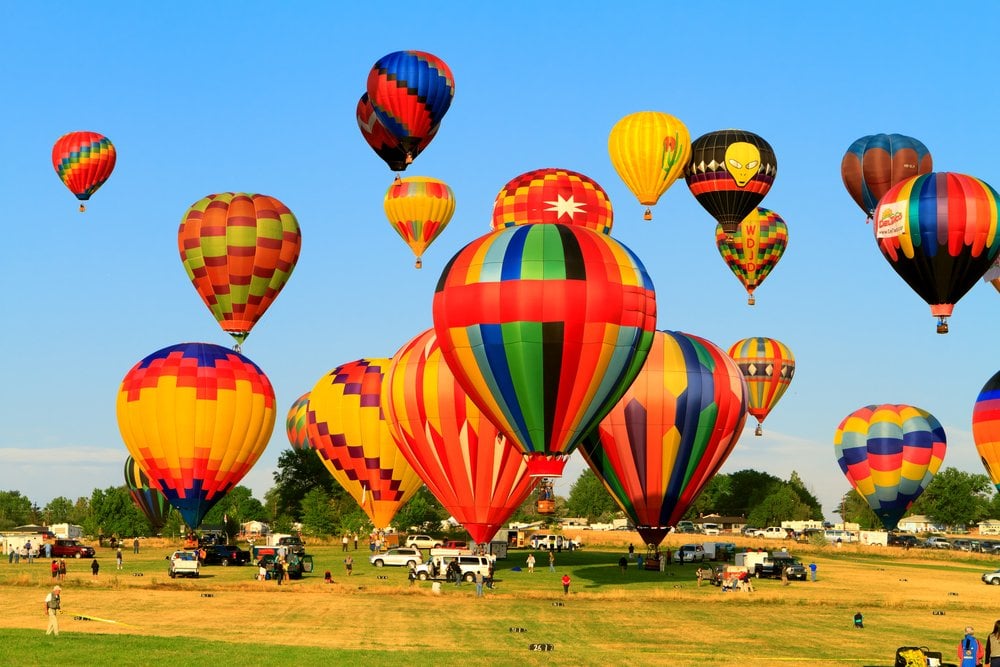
(235, 508)
(299, 472)
(59, 510)
(855, 509)
(714, 498)
(15, 509)
(806, 496)
(589, 498)
(782, 504)
(955, 498)
(113, 513)
(423, 511)
(317, 513)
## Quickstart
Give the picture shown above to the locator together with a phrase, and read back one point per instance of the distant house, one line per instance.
(989, 527)
(727, 524)
(918, 523)
(255, 528)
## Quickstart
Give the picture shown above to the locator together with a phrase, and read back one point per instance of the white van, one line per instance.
(468, 563)
(547, 542)
(710, 528)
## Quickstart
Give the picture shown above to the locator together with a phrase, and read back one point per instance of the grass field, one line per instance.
(376, 618)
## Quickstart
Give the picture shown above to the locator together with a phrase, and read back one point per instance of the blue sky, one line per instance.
(201, 98)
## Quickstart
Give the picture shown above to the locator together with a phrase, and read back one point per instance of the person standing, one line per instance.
(355, 540)
(279, 570)
(349, 564)
(343, 543)
(135, 544)
(812, 571)
(118, 558)
(479, 583)
(62, 570)
(52, 604)
(531, 562)
(623, 564)
(631, 551)
(565, 584)
(552, 560)
(95, 567)
(55, 569)
(993, 646)
(970, 651)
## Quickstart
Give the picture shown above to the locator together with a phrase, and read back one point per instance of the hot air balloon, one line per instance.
(460, 455)
(649, 150)
(768, 366)
(553, 196)
(147, 498)
(753, 250)
(410, 92)
(195, 417)
(385, 145)
(347, 428)
(670, 433)
(889, 454)
(419, 208)
(986, 427)
(295, 423)
(939, 233)
(729, 174)
(239, 250)
(992, 274)
(875, 163)
(84, 161)
(545, 326)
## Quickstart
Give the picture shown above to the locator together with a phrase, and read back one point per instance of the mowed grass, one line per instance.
(376, 618)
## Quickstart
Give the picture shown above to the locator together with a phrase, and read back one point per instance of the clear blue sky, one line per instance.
(260, 96)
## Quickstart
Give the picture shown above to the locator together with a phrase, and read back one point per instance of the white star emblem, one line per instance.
(566, 207)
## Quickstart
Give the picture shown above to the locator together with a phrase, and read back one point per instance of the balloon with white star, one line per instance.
(553, 196)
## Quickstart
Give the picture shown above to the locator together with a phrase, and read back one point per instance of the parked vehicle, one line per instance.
(710, 528)
(774, 533)
(397, 556)
(468, 564)
(838, 535)
(771, 564)
(184, 564)
(961, 545)
(992, 578)
(296, 565)
(224, 554)
(719, 550)
(455, 544)
(689, 553)
(935, 542)
(71, 549)
(423, 542)
(294, 544)
(546, 541)
(903, 540)
(685, 527)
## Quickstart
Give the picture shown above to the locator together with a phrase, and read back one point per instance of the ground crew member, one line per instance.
(52, 603)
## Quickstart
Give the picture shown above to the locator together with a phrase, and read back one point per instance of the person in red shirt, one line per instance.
(565, 583)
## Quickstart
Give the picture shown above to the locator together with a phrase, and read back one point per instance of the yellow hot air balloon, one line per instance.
(649, 150)
(419, 208)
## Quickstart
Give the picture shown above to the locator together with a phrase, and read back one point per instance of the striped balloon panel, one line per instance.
(986, 427)
(471, 469)
(239, 250)
(768, 366)
(875, 163)
(545, 326)
(419, 208)
(890, 453)
(752, 252)
(385, 145)
(553, 196)
(148, 499)
(83, 161)
(950, 238)
(348, 430)
(410, 92)
(195, 417)
(649, 150)
(671, 431)
(295, 423)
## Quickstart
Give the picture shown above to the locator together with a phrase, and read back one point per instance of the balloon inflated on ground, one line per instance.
(145, 496)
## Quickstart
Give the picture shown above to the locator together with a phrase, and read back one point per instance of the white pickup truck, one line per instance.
(184, 564)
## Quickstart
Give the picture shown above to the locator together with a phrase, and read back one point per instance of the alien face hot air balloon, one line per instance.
(670, 433)
(147, 498)
(419, 208)
(295, 423)
(470, 468)
(889, 454)
(939, 233)
(553, 196)
(195, 417)
(753, 250)
(385, 145)
(649, 150)
(768, 366)
(875, 163)
(729, 174)
(239, 251)
(545, 326)
(410, 92)
(986, 427)
(84, 161)
(347, 428)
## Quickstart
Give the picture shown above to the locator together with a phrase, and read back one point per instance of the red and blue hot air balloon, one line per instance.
(671, 431)
(875, 163)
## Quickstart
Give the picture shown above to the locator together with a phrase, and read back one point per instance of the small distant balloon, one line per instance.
(419, 208)
(83, 161)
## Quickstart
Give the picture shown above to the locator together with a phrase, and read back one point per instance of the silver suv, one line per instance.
(422, 542)
(403, 556)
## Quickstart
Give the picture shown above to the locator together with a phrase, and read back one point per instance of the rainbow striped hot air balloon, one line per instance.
(938, 231)
(295, 423)
(146, 497)
(419, 208)
(671, 431)
(553, 196)
(986, 427)
(195, 417)
(889, 454)
(753, 250)
(347, 428)
(545, 327)
(471, 469)
(768, 366)
(83, 161)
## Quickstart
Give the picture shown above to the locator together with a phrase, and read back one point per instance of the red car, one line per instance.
(71, 549)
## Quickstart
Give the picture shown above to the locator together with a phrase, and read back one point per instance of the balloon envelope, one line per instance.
(939, 233)
(553, 196)
(460, 455)
(347, 428)
(875, 163)
(419, 208)
(649, 150)
(753, 250)
(146, 497)
(295, 423)
(385, 145)
(671, 431)
(83, 161)
(986, 427)
(889, 454)
(768, 366)
(239, 250)
(195, 417)
(545, 326)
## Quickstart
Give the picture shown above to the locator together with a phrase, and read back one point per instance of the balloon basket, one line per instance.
(751, 300)
(759, 431)
(942, 326)
(418, 263)
(82, 208)
(648, 215)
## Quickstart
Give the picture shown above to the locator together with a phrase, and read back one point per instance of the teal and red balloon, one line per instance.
(875, 163)
(146, 497)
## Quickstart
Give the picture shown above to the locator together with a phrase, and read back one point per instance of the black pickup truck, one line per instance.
(294, 544)
(772, 568)
(223, 554)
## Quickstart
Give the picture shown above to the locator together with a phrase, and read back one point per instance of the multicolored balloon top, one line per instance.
(410, 92)
(649, 150)
(295, 423)
(545, 326)
(146, 497)
(889, 454)
(729, 174)
(670, 433)
(938, 231)
(875, 163)
(239, 250)
(986, 427)
(196, 417)
(753, 250)
(83, 161)
(553, 196)
(768, 366)
(419, 208)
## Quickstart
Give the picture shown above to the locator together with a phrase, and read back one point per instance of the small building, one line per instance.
(989, 527)
(918, 523)
(67, 531)
(254, 529)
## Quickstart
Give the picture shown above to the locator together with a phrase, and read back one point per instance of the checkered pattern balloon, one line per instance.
(553, 196)
(754, 249)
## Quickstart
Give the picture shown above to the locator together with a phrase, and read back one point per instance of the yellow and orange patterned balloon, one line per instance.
(419, 208)
(768, 366)
(649, 150)
(347, 428)
(195, 417)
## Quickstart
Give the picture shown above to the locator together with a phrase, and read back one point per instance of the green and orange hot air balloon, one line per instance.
(83, 161)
